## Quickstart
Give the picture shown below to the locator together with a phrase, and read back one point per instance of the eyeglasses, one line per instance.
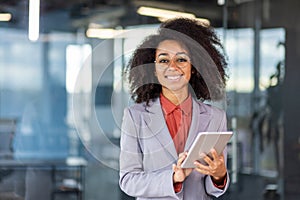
(181, 60)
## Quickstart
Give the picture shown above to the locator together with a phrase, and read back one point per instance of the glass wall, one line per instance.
(33, 93)
(33, 77)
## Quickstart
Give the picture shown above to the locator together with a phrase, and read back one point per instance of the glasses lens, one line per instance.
(181, 60)
(163, 61)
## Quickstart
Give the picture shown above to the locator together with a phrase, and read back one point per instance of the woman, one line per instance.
(169, 74)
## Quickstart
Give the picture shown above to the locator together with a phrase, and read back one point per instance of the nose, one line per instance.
(173, 65)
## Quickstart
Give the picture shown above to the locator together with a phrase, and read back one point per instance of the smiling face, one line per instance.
(173, 69)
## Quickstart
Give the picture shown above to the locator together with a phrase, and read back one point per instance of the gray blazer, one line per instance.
(147, 153)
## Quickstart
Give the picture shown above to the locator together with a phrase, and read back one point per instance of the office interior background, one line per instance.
(62, 93)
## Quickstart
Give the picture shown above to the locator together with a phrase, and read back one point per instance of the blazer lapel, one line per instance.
(201, 118)
(155, 121)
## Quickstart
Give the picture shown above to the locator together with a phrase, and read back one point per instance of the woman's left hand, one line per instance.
(215, 166)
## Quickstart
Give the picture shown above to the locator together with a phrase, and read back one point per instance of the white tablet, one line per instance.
(203, 143)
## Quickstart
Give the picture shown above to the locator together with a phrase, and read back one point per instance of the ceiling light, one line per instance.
(162, 13)
(5, 17)
(203, 21)
(104, 33)
(34, 20)
(221, 2)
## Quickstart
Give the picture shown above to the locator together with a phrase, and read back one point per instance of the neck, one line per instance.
(175, 97)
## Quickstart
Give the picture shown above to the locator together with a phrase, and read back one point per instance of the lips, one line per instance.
(174, 77)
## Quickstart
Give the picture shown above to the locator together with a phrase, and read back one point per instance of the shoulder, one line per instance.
(217, 116)
(137, 107)
(140, 108)
(208, 108)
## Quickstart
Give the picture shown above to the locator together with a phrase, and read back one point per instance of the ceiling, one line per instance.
(71, 15)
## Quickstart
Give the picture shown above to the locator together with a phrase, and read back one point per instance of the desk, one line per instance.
(62, 185)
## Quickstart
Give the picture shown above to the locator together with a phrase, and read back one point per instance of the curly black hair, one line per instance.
(208, 78)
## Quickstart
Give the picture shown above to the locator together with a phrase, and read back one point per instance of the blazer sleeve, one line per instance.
(133, 179)
(209, 186)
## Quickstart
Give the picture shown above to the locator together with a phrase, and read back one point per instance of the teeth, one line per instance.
(173, 77)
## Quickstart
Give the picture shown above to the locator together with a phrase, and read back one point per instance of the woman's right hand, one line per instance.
(180, 174)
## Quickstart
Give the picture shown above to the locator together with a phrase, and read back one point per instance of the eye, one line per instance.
(182, 60)
(163, 60)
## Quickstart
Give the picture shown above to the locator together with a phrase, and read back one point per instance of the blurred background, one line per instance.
(62, 93)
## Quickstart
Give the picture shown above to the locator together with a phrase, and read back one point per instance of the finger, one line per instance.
(214, 154)
(208, 160)
(221, 156)
(182, 154)
(174, 167)
(202, 171)
(201, 166)
(181, 159)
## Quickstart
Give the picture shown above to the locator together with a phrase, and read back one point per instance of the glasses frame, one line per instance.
(171, 59)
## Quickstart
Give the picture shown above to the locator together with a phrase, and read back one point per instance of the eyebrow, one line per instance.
(166, 54)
